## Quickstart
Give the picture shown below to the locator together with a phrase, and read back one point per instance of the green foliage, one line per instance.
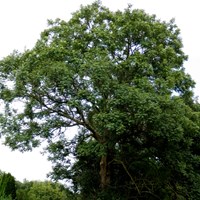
(5, 198)
(7, 186)
(23, 189)
(119, 78)
(45, 191)
(38, 190)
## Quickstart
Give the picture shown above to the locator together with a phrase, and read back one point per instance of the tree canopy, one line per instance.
(7, 186)
(119, 78)
(42, 190)
(32, 190)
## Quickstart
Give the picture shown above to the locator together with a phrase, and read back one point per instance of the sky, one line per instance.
(22, 21)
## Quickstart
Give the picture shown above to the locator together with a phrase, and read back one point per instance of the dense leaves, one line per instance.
(7, 186)
(46, 190)
(119, 78)
(32, 190)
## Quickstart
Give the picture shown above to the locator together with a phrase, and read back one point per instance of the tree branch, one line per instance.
(125, 168)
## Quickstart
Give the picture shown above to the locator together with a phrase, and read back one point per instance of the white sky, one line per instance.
(21, 22)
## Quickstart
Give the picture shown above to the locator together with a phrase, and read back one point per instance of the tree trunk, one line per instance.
(104, 172)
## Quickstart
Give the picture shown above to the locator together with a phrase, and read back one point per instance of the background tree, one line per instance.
(23, 189)
(43, 190)
(118, 77)
(7, 186)
(46, 191)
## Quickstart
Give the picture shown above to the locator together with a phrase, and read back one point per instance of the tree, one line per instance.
(42, 190)
(23, 189)
(46, 191)
(119, 78)
(7, 186)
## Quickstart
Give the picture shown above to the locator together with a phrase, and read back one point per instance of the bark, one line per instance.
(104, 172)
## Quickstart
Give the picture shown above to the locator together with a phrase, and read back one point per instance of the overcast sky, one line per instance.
(21, 22)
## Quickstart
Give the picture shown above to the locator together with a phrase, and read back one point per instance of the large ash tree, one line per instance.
(119, 78)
